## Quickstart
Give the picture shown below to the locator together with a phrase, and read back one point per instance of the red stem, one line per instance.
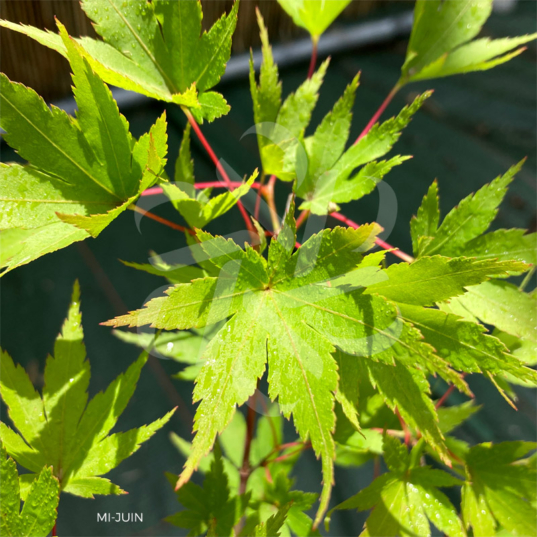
(218, 184)
(302, 218)
(178, 227)
(55, 530)
(267, 460)
(378, 113)
(212, 184)
(442, 399)
(290, 444)
(379, 242)
(313, 61)
(292, 454)
(447, 393)
(168, 223)
(152, 191)
(392, 432)
(218, 165)
(268, 192)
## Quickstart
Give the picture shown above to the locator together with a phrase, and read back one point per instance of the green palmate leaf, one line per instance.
(279, 493)
(479, 55)
(282, 151)
(433, 279)
(440, 27)
(312, 15)
(329, 193)
(500, 488)
(331, 180)
(210, 508)
(347, 394)
(291, 310)
(406, 390)
(173, 273)
(476, 512)
(184, 165)
(358, 448)
(266, 442)
(525, 350)
(271, 528)
(322, 170)
(465, 345)
(197, 209)
(328, 142)
(83, 173)
(39, 511)
(155, 48)
(267, 95)
(504, 244)
(184, 347)
(503, 305)
(464, 223)
(461, 231)
(407, 498)
(451, 417)
(440, 41)
(280, 127)
(423, 226)
(231, 470)
(73, 438)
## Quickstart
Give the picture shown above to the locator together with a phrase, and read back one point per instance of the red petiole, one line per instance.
(154, 191)
(380, 242)
(379, 112)
(218, 165)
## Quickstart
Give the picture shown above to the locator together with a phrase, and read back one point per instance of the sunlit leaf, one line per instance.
(154, 48)
(74, 437)
(82, 172)
(39, 513)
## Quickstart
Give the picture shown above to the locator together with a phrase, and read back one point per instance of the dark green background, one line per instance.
(472, 129)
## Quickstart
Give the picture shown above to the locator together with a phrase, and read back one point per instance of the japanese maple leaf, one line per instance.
(454, 330)
(60, 428)
(406, 498)
(82, 172)
(154, 48)
(290, 310)
(326, 172)
(40, 507)
(501, 487)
